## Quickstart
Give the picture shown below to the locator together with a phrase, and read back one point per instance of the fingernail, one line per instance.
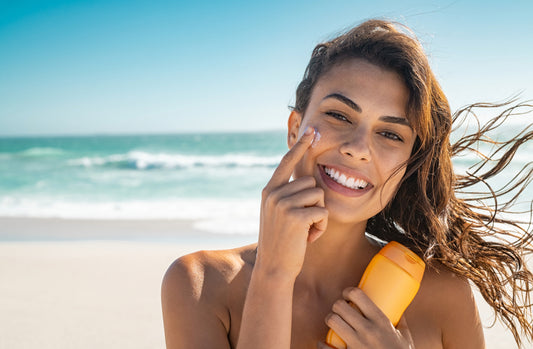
(308, 130)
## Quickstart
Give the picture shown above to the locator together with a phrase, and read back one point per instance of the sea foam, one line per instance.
(224, 216)
(140, 160)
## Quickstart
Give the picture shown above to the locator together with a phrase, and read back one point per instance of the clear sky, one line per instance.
(117, 66)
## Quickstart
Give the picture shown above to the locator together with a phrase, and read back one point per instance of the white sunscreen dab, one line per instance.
(316, 138)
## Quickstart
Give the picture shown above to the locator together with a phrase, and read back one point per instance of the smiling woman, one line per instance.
(369, 160)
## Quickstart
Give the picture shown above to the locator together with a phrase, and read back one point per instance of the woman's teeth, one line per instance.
(341, 178)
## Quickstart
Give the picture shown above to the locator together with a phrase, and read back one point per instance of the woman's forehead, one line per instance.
(365, 84)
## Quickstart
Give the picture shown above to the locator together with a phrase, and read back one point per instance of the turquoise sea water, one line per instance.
(189, 176)
(214, 179)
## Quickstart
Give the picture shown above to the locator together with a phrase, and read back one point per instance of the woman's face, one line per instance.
(359, 110)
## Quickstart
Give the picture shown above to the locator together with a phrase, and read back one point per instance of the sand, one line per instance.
(60, 287)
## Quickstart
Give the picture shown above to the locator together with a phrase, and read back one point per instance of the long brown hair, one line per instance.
(442, 215)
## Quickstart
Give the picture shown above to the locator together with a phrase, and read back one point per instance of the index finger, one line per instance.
(364, 304)
(283, 172)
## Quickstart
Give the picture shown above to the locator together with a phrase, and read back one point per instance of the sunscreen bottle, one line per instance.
(391, 280)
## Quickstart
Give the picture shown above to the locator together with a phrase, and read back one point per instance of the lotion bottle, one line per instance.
(391, 280)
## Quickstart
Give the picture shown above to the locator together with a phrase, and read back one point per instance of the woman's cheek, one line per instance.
(395, 161)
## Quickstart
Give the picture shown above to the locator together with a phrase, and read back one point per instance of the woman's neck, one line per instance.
(337, 259)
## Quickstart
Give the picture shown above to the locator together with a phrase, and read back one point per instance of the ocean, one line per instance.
(213, 179)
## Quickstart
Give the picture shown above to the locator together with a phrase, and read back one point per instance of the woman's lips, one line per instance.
(344, 183)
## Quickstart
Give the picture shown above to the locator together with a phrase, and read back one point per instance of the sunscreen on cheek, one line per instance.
(316, 139)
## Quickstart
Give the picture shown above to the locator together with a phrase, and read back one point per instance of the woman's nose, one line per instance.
(357, 146)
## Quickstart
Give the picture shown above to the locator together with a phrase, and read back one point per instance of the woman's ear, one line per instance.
(293, 128)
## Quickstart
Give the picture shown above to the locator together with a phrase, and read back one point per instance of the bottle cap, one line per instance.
(404, 258)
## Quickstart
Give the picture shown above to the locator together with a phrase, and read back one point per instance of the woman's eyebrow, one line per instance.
(395, 120)
(345, 100)
(357, 108)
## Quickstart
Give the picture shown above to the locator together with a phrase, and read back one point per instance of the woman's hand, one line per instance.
(292, 214)
(362, 324)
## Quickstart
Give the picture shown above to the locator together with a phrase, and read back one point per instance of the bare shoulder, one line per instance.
(195, 293)
(450, 300)
(203, 268)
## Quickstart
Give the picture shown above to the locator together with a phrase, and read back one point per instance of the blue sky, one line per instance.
(87, 67)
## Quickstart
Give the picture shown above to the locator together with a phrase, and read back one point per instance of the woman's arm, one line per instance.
(267, 315)
(190, 318)
(292, 214)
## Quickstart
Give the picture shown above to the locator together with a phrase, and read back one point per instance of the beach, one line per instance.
(83, 284)
(89, 225)
(96, 283)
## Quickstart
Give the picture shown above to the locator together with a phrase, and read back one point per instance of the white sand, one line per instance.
(82, 294)
(76, 293)
(100, 294)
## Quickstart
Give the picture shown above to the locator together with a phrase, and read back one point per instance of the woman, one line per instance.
(369, 152)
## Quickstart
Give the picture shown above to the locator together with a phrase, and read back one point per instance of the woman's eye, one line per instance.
(337, 116)
(391, 135)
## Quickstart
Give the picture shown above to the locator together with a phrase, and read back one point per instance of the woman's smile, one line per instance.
(349, 184)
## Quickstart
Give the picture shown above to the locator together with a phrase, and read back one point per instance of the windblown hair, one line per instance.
(442, 215)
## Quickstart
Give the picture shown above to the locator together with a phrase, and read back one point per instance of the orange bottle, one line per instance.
(391, 280)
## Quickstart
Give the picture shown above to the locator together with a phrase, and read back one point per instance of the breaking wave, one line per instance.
(139, 160)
